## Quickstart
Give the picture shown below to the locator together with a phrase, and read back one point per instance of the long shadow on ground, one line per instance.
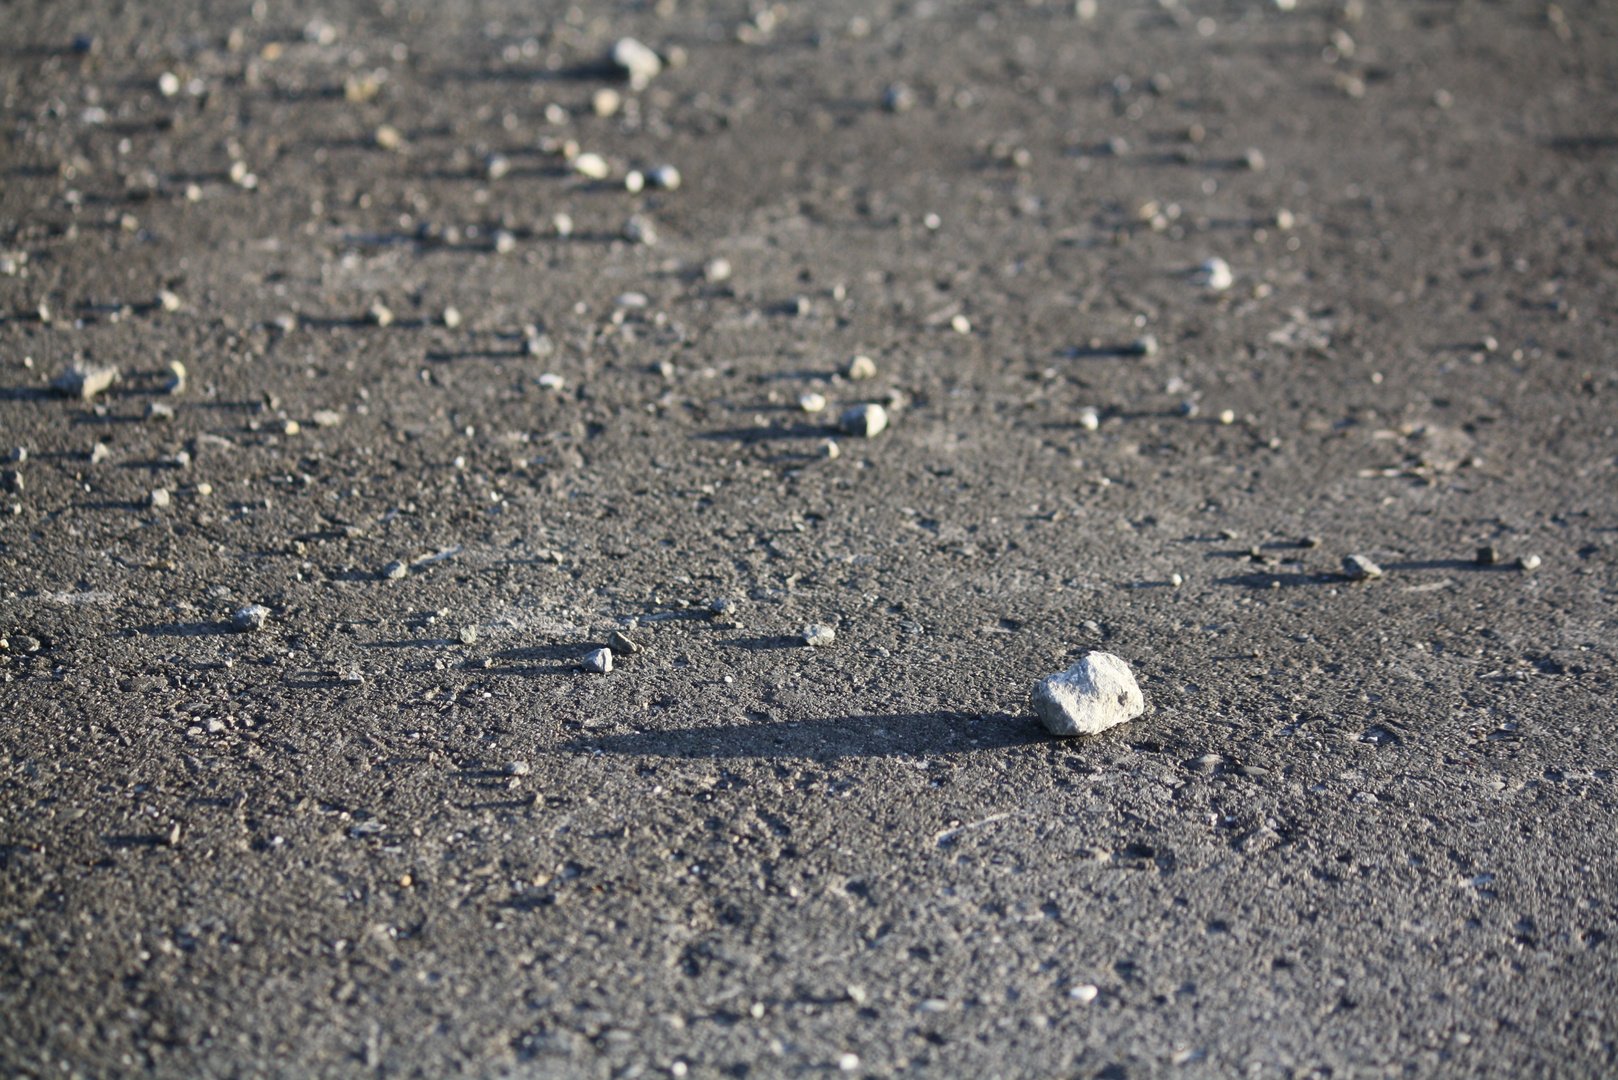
(881, 735)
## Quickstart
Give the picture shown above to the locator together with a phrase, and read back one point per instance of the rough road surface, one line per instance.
(1336, 280)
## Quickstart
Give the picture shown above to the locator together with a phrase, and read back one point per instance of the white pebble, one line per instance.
(811, 403)
(552, 381)
(1097, 693)
(1360, 568)
(961, 324)
(640, 230)
(635, 181)
(1083, 994)
(1216, 274)
(379, 314)
(563, 224)
(592, 166)
(159, 498)
(168, 84)
(1529, 562)
(638, 63)
(452, 317)
(1089, 420)
(716, 270)
(606, 101)
(666, 177)
(818, 635)
(1227, 416)
(861, 367)
(598, 660)
(865, 421)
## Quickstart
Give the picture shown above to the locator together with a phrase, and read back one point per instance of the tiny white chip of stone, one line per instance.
(861, 367)
(849, 1062)
(811, 402)
(1360, 568)
(598, 660)
(1088, 420)
(251, 617)
(1216, 274)
(716, 269)
(666, 177)
(395, 571)
(593, 166)
(866, 421)
(638, 62)
(818, 635)
(1083, 994)
(1093, 695)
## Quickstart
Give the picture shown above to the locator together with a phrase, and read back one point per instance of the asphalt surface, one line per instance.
(1363, 829)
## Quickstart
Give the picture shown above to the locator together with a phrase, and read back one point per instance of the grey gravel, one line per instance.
(469, 635)
(1096, 693)
(723, 607)
(598, 660)
(395, 570)
(85, 381)
(1360, 568)
(252, 617)
(620, 642)
(865, 421)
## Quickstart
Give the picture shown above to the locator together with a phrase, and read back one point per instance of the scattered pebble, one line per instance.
(1488, 555)
(395, 570)
(592, 166)
(175, 383)
(811, 402)
(291, 427)
(1529, 562)
(252, 617)
(635, 181)
(387, 137)
(666, 177)
(84, 381)
(598, 660)
(517, 768)
(1253, 158)
(640, 230)
(159, 498)
(621, 642)
(818, 635)
(552, 381)
(469, 635)
(563, 224)
(19, 454)
(497, 166)
(1083, 993)
(1216, 275)
(831, 450)
(848, 1063)
(451, 317)
(606, 102)
(1097, 693)
(961, 324)
(865, 421)
(505, 241)
(1310, 542)
(1176, 580)
(716, 270)
(723, 607)
(158, 410)
(379, 314)
(99, 453)
(899, 98)
(1145, 345)
(1189, 408)
(12, 480)
(1089, 419)
(326, 418)
(639, 64)
(1360, 568)
(861, 367)
(1227, 416)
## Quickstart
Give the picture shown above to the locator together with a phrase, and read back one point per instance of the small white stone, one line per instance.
(1097, 693)
(811, 403)
(505, 241)
(497, 166)
(865, 421)
(326, 418)
(1227, 416)
(861, 367)
(563, 224)
(1216, 274)
(848, 1063)
(818, 635)
(168, 84)
(452, 317)
(167, 300)
(961, 324)
(1083, 994)
(388, 137)
(666, 177)
(1285, 219)
(831, 450)
(1360, 568)
(592, 166)
(640, 230)
(716, 270)
(1529, 562)
(635, 182)
(638, 63)
(1176, 580)
(379, 314)
(85, 381)
(159, 498)
(598, 660)
(606, 101)
(249, 618)
(1089, 420)
(552, 381)
(395, 571)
